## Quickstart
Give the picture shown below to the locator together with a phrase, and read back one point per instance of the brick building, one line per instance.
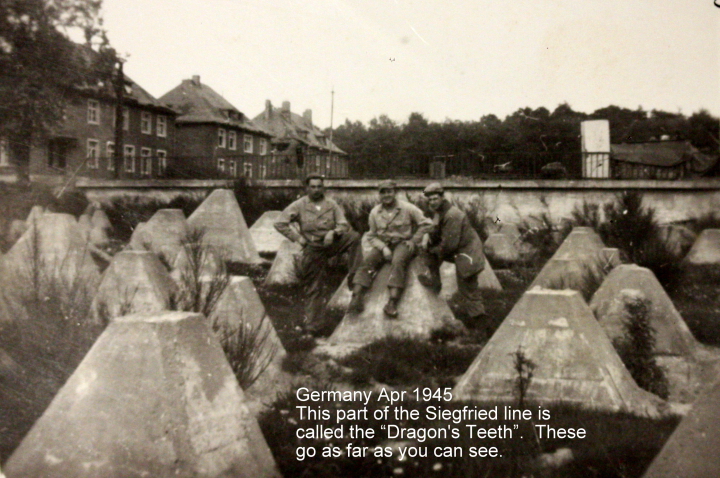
(213, 138)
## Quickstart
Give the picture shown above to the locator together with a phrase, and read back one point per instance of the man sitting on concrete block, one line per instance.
(396, 229)
(323, 233)
(453, 239)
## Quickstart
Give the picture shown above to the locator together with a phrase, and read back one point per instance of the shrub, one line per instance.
(588, 215)
(248, 349)
(636, 348)
(634, 230)
(357, 212)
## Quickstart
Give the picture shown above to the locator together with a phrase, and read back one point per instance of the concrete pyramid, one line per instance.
(706, 249)
(58, 246)
(582, 252)
(155, 396)
(266, 238)
(672, 335)
(134, 282)
(692, 449)
(162, 234)
(420, 312)
(486, 279)
(511, 230)
(500, 248)
(97, 225)
(282, 271)
(240, 307)
(223, 223)
(574, 360)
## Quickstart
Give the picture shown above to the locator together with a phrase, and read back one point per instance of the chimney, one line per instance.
(196, 80)
(286, 109)
(268, 110)
(308, 117)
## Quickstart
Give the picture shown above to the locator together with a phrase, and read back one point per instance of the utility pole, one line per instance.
(119, 119)
(332, 109)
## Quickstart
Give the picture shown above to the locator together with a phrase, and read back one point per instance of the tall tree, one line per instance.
(40, 65)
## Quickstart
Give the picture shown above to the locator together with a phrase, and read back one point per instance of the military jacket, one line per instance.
(404, 221)
(313, 218)
(454, 239)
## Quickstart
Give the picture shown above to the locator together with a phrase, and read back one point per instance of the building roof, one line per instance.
(286, 126)
(198, 103)
(665, 154)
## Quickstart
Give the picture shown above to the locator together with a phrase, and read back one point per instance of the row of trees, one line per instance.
(40, 64)
(526, 132)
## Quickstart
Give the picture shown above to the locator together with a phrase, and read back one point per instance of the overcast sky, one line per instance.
(445, 59)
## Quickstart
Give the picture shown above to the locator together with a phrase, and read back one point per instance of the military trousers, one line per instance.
(468, 298)
(312, 271)
(402, 254)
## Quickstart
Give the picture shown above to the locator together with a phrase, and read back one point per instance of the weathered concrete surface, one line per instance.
(266, 238)
(574, 360)
(154, 396)
(282, 271)
(706, 249)
(486, 279)
(53, 247)
(240, 307)
(195, 261)
(220, 217)
(581, 255)
(96, 224)
(162, 234)
(692, 449)
(420, 312)
(510, 229)
(500, 248)
(15, 231)
(672, 335)
(134, 282)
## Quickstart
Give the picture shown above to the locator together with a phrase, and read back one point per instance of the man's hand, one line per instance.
(387, 253)
(302, 241)
(425, 242)
(329, 238)
(410, 245)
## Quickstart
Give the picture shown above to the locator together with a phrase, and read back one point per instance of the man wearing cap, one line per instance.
(396, 229)
(323, 232)
(453, 239)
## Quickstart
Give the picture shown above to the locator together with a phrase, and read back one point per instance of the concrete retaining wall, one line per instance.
(509, 200)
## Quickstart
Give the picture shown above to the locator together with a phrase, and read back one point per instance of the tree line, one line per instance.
(523, 134)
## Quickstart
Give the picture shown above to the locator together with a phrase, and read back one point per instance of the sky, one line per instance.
(453, 59)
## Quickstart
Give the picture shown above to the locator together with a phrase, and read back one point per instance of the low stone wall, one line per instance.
(509, 200)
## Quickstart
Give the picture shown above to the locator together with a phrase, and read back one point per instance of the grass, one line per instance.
(46, 333)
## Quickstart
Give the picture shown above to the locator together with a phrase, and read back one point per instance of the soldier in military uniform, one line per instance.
(453, 239)
(396, 229)
(324, 233)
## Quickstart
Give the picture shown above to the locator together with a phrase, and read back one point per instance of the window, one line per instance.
(221, 138)
(232, 140)
(146, 161)
(233, 168)
(4, 153)
(247, 143)
(162, 161)
(129, 158)
(221, 165)
(93, 153)
(110, 153)
(263, 146)
(93, 113)
(126, 119)
(146, 122)
(247, 170)
(162, 126)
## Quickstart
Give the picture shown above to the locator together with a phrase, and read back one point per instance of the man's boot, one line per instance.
(390, 308)
(358, 296)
